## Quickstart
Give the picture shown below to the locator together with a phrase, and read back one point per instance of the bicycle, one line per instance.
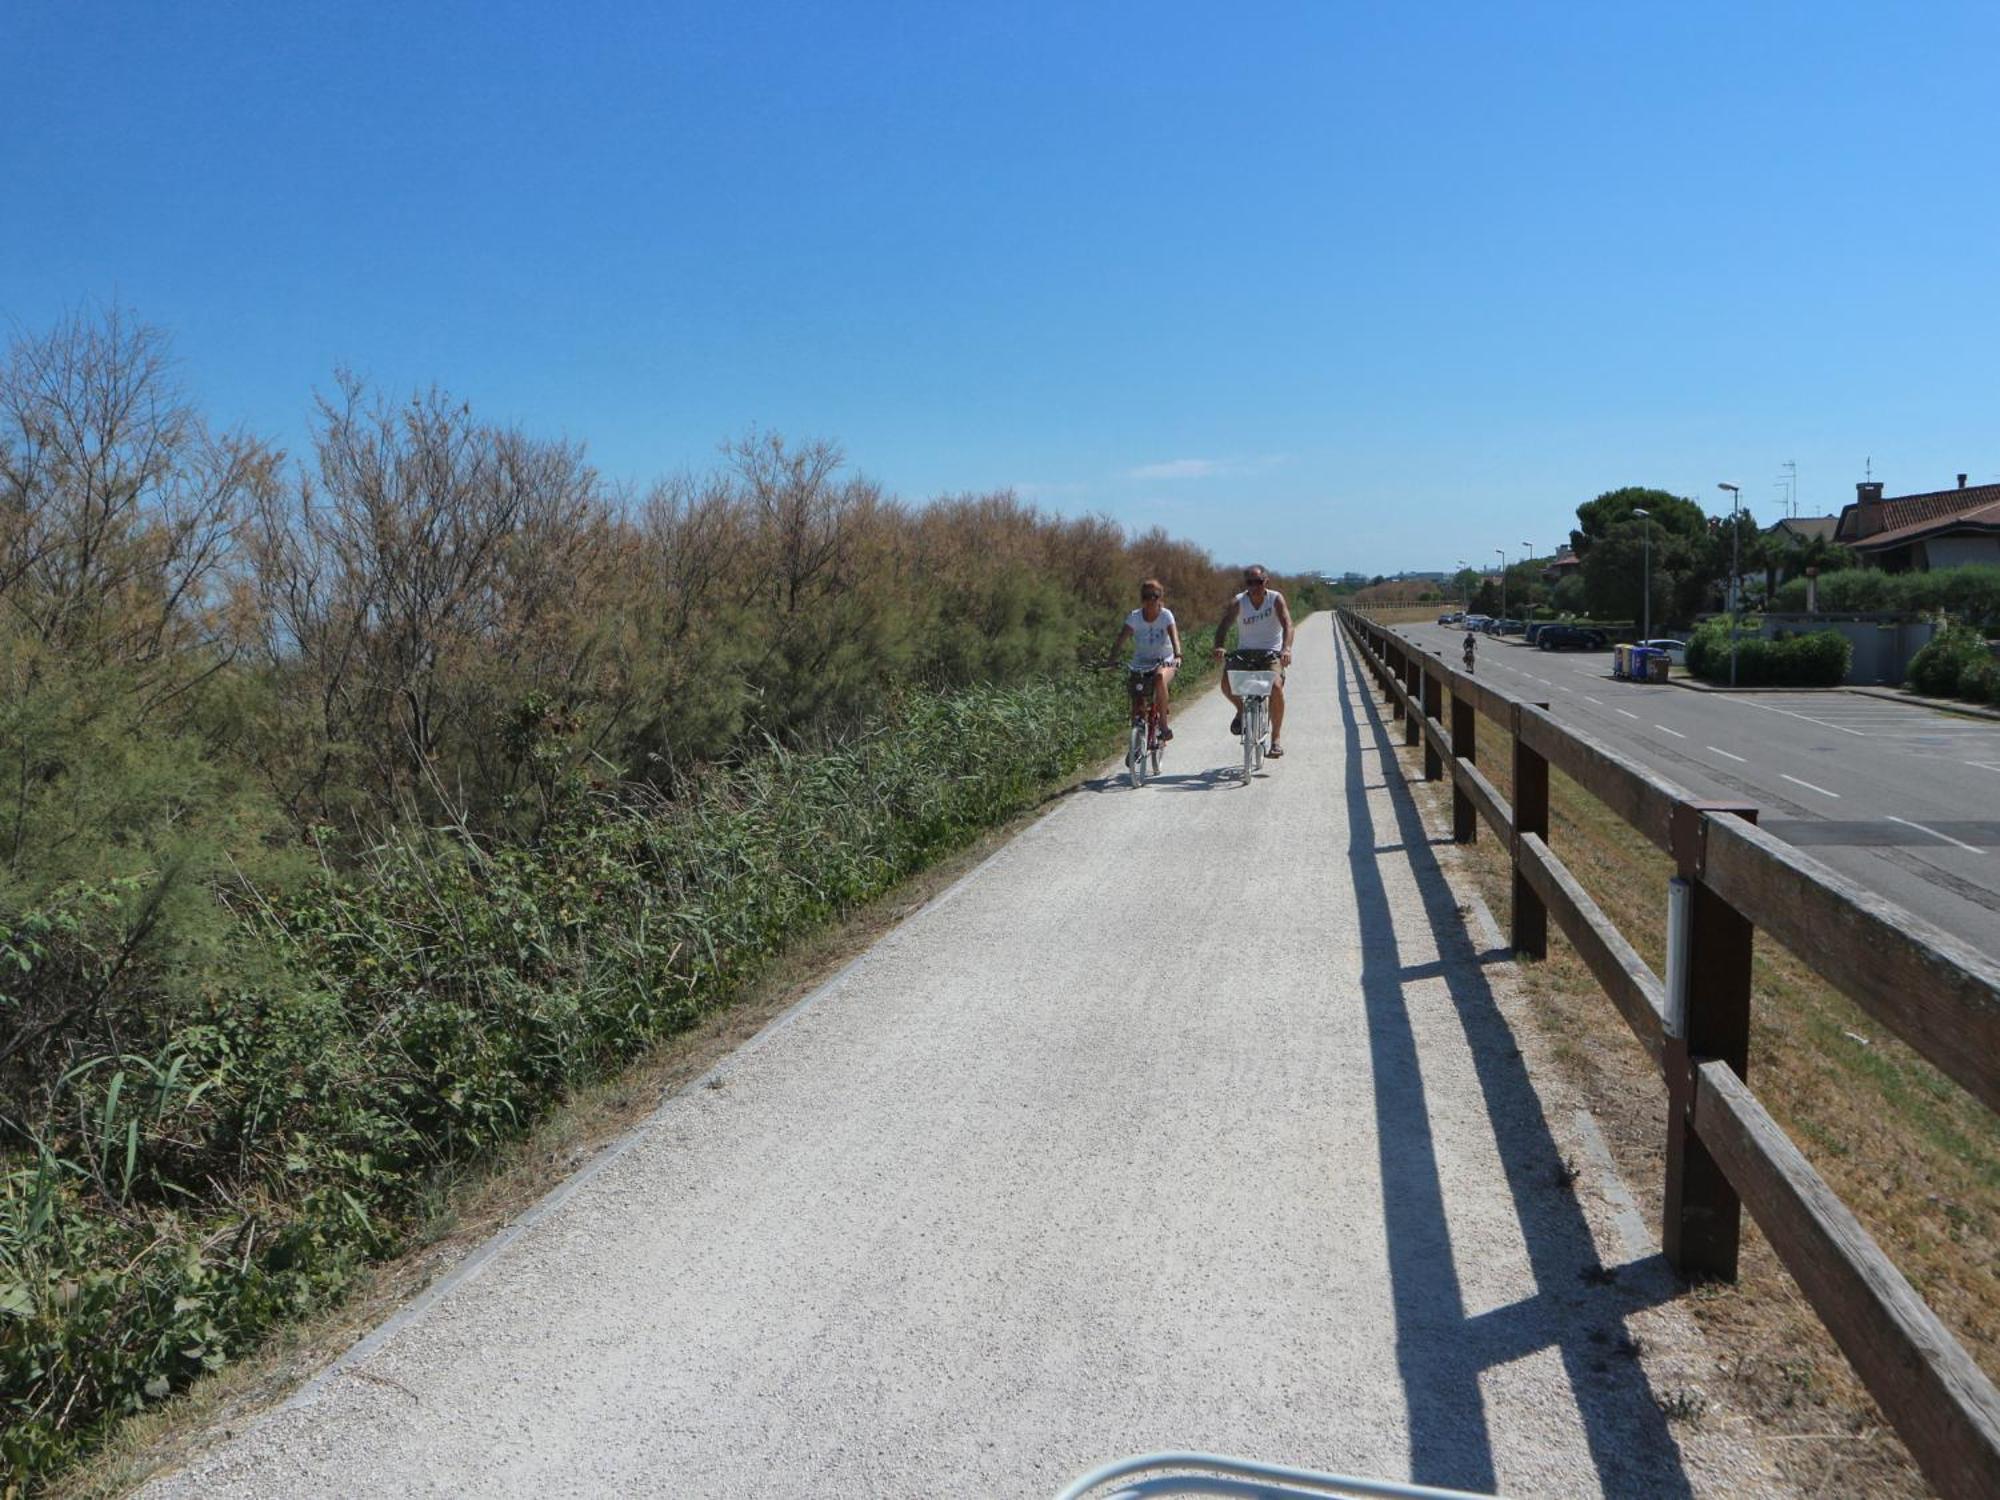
(1188, 1473)
(1147, 745)
(1253, 676)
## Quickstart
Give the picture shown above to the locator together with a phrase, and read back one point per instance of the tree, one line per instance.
(1685, 562)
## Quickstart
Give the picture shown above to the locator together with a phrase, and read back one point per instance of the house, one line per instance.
(1797, 543)
(1564, 564)
(1938, 529)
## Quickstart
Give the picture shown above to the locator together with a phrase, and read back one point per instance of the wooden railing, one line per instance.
(1724, 1152)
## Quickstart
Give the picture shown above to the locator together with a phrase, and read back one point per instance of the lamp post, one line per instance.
(1735, 568)
(1646, 551)
(1501, 553)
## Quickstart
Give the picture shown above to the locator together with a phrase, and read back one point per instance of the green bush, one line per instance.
(230, 1163)
(1956, 662)
(1820, 659)
(1970, 593)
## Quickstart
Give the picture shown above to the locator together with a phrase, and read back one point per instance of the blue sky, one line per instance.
(1338, 285)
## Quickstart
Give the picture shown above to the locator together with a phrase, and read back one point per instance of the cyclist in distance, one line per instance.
(1156, 643)
(1471, 650)
(1263, 623)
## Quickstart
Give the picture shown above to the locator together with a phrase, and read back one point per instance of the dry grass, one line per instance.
(1914, 1156)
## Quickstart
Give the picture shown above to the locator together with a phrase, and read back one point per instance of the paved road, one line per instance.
(1901, 798)
(1098, 1154)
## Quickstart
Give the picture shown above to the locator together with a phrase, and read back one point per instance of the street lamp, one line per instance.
(1646, 551)
(1501, 553)
(1735, 568)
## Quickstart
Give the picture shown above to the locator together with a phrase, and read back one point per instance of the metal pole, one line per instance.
(1646, 549)
(1735, 568)
(1501, 552)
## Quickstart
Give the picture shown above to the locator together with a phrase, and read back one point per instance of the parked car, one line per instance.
(1508, 627)
(1677, 651)
(1452, 619)
(1534, 629)
(1475, 622)
(1571, 638)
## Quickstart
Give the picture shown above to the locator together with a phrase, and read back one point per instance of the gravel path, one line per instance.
(1077, 1162)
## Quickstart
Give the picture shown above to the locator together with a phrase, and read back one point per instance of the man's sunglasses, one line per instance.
(1253, 582)
(1149, 596)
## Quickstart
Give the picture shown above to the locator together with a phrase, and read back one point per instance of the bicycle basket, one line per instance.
(1252, 684)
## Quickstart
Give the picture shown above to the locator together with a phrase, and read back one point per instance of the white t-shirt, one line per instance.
(1258, 627)
(1152, 640)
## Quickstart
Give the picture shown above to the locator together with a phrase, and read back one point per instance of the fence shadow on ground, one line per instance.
(1580, 1306)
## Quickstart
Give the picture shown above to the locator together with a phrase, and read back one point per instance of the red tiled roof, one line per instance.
(1902, 512)
(1979, 518)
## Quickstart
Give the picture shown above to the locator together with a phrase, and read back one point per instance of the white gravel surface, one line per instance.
(1191, 1119)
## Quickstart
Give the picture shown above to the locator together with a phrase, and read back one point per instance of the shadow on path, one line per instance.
(1579, 1305)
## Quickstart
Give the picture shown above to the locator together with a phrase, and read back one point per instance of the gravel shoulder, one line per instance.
(1074, 1163)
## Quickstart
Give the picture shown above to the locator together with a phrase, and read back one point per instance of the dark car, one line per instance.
(1571, 638)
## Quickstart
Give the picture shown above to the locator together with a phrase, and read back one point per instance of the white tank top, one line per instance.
(1152, 640)
(1258, 628)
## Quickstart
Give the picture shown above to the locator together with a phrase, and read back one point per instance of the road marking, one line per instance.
(1743, 759)
(1674, 732)
(1544, 682)
(1826, 723)
(1972, 848)
(1560, 688)
(1984, 765)
(1628, 713)
(1811, 788)
(1598, 701)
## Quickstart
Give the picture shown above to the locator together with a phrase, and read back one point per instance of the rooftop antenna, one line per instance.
(1791, 482)
(1867, 468)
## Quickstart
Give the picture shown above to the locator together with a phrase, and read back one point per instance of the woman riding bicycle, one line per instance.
(1156, 644)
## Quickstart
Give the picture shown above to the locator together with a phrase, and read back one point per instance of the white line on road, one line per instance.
(1628, 713)
(1973, 848)
(1826, 723)
(1674, 732)
(1598, 701)
(1744, 759)
(1809, 786)
(1544, 682)
(1984, 765)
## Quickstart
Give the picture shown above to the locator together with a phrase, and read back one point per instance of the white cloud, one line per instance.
(1179, 468)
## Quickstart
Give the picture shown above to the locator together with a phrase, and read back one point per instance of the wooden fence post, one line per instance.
(1464, 816)
(1398, 673)
(1413, 676)
(1434, 712)
(1704, 1216)
(1531, 815)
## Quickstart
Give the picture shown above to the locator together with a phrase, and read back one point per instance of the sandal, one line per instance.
(1275, 751)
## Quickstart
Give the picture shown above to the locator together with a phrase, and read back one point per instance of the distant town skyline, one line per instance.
(1312, 284)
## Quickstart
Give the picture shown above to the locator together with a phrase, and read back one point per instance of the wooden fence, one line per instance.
(1724, 1152)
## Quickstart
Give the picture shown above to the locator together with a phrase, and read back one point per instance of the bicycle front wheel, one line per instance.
(1135, 754)
(1252, 735)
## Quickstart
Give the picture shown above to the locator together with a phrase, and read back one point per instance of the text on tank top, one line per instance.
(1257, 626)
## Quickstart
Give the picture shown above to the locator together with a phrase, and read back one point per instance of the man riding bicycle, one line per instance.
(1263, 624)
(1471, 649)
(1156, 645)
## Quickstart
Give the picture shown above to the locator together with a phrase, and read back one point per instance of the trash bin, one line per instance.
(1621, 660)
(1657, 665)
(1636, 658)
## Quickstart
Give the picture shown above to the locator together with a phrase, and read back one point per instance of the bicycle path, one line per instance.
(1190, 1119)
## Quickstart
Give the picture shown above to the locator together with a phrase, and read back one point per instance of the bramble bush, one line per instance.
(233, 1161)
